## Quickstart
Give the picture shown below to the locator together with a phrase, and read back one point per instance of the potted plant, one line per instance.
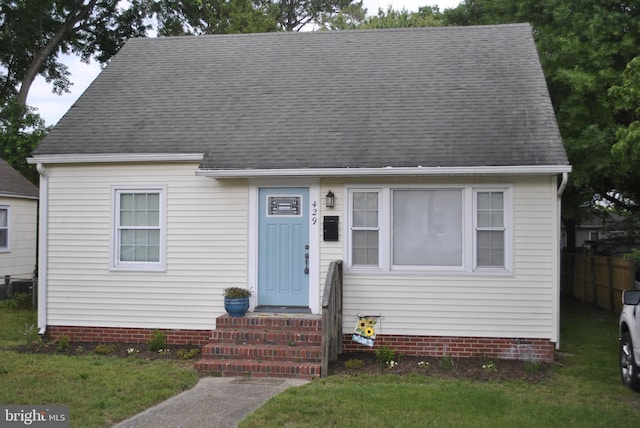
(236, 301)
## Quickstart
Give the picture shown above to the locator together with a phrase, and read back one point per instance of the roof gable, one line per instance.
(12, 183)
(430, 97)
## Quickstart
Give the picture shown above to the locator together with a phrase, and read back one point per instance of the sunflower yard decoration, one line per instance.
(365, 332)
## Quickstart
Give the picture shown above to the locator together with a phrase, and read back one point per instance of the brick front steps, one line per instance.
(264, 345)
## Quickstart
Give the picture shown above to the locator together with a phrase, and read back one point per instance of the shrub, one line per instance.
(157, 341)
(105, 348)
(532, 366)
(354, 363)
(385, 354)
(63, 343)
(20, 301)
(31, 335)
(237, 292)
(447, 363)
(183, 354)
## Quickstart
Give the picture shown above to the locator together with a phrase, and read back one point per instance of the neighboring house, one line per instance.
(595, 229)
(192, 164)
(18, 224)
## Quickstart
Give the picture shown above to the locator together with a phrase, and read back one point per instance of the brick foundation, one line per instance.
(540, 350)
(128, 335)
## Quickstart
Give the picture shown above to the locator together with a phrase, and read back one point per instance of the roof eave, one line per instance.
(17, 196)
(115, 158)
(387, 171)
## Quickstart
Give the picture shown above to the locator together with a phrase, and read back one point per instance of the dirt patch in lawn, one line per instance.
(481, 369)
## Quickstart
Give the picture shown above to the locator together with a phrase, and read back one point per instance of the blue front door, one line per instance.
(283, 246)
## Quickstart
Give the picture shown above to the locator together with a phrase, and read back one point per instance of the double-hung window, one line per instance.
(490, 230)
(139, 229)
(4, 228)
(365, 228)
(443, 228)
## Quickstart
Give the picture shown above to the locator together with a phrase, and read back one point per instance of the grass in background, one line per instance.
(100, 390)
(584, 390)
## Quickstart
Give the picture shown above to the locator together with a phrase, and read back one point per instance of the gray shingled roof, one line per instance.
(450, 96)
(14, 184)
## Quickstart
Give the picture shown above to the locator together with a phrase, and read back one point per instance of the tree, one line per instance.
(626, 149)
(20, 133)
(294, 15)
(179, 17)
(89, 28)
(427, 16)
(196, 17)
(32, 35)
(584, 46)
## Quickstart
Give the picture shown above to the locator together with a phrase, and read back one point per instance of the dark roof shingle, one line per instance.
(448, 96)
(13, 183)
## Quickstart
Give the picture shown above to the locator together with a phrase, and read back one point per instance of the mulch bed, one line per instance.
(481, 369)
(139, 350)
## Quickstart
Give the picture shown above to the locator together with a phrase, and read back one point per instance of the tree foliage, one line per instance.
(20, 133)
(33, 33)
(585, 47)
(196, 17)
(427, 16)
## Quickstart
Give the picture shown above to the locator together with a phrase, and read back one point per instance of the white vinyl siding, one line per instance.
(206, 248)
(521, 302)
(18, 257)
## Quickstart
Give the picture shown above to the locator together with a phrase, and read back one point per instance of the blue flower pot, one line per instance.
(236, 307)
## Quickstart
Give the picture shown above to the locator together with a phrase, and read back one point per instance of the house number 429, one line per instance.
(314, 212)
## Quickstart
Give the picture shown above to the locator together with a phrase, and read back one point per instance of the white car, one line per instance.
(629, 330)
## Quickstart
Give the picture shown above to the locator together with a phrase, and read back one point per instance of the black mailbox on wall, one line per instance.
(331, 227)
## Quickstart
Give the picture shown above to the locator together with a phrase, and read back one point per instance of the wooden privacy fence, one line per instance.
(597, 280)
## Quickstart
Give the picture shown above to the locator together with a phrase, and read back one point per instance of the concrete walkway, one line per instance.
(218, 402)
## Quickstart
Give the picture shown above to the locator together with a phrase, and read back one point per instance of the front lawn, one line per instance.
(583, 389)
(99, 389)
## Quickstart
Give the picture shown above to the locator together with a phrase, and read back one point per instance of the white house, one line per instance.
(192, 164)
(18, 224)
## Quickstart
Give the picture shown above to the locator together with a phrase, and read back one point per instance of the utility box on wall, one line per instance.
(331, 227)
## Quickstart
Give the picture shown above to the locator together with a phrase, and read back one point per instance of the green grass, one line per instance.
(584, 390)
(100, 390)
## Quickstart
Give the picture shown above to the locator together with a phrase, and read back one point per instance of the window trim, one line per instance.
(116, 263)
(7, 248)
(385, 225)
(379, 228)
(507, 228)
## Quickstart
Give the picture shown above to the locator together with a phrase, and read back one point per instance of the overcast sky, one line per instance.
(52, 107)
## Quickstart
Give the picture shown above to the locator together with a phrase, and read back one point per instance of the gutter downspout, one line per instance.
(43, 250)
(563, 185)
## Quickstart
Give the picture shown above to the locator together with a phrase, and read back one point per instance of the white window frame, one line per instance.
(468, 226)
(351, 228)
(116, 263)
(436, 268)
(507, 228)
(6, 248)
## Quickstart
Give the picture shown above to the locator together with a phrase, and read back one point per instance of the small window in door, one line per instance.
(283, 206)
